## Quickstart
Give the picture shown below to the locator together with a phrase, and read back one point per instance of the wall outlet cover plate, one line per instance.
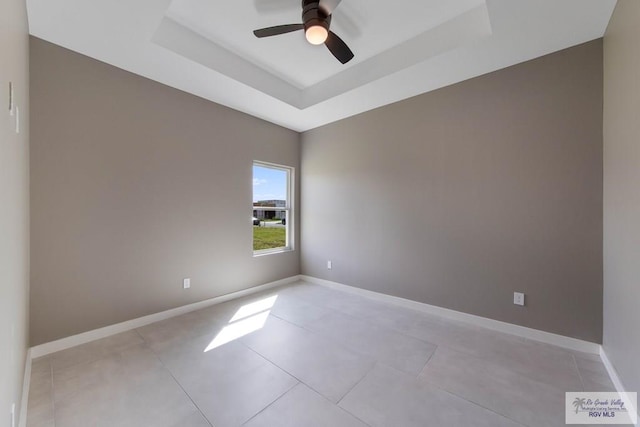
(518, 298)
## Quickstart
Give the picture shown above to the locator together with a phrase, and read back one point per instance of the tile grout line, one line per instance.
(341, 343)
(276, 365)
(277, 397)
(251, 349)
(371, 369)
(336, 342)
(426, 380)
(438, 319)
(553, 339)
(283, 370)
(381, 363)
(272, 403)
(357, 383)
(173, 377)
(575, 364)
(476, 404)
(487, 360)
(350, 390)
(336, 404)
(428, 360)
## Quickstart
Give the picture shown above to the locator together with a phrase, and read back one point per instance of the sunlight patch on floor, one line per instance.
(254, 308)
(249, 318)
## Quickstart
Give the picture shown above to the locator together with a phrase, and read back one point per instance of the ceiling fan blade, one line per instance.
(338, 48)
(328, 6)
(277, 30)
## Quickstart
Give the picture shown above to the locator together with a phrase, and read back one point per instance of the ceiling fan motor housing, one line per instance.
(313, 15)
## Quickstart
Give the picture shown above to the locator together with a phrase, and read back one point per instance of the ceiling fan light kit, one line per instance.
(316, 34)
(316, 21)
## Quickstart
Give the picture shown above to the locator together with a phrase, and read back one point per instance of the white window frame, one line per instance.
(288, 208)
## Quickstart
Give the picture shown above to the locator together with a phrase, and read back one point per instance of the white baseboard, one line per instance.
(496, 325)
(521, 331)
(85, 337)
(26, 383)
(613, 374)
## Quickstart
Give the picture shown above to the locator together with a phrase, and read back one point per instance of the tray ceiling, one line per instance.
(402, 48)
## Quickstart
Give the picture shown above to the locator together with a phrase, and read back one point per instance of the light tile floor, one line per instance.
(306, 355)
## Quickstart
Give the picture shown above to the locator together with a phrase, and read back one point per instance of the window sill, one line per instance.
(264, 252)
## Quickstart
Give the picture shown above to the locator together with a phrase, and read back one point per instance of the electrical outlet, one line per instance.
(186, 283)
(329, 265)
(518, 298)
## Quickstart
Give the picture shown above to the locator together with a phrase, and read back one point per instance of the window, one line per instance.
(272, 201)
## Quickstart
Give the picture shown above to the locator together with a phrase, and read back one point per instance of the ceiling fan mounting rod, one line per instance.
(313, 15)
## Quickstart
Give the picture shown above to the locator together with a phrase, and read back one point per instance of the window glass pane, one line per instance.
(270, 190)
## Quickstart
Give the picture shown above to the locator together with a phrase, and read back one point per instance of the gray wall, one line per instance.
(135, 186)
(461, 196)
(14, 205)
(622, 192)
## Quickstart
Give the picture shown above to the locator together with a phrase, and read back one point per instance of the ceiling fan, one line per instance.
(316, 20)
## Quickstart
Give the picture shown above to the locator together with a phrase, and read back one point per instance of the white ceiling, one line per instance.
(402, 48)
(368, 33)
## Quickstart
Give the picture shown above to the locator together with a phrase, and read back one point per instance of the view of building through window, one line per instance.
(271, 209)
